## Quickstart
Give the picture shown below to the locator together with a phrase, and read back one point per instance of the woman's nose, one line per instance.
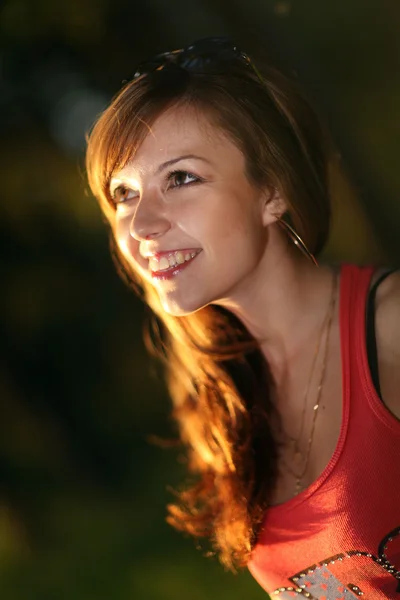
(149, 219)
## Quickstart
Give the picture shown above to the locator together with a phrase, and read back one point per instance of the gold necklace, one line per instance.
(299, 476)
(297, 455)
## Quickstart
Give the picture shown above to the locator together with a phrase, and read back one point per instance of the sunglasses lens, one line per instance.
(199, 55)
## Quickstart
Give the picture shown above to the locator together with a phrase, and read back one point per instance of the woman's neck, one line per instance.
(283, 303)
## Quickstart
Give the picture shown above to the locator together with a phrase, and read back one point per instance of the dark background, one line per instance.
(83, 493)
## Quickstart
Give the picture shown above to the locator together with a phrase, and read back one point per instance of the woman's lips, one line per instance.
(164, 260)
(170, 264)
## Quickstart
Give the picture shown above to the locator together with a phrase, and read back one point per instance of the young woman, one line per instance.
(284, 373)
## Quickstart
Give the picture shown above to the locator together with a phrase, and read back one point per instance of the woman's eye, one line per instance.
(180, 178)
(122, 194)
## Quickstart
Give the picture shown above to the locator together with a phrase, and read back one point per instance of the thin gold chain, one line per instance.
(299, 476)
(319, 390)
(296, 441)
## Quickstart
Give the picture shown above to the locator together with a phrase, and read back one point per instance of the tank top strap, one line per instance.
(354, 287)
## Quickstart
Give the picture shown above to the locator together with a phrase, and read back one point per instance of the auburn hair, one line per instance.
(217, 376)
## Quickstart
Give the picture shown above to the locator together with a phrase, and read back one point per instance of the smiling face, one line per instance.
(187, 217)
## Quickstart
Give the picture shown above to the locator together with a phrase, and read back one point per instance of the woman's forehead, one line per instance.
(178, 132)
(181, 125)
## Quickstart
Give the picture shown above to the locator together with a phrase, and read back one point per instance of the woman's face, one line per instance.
(187, 217)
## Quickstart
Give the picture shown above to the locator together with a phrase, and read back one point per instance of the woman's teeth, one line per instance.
(177, 258)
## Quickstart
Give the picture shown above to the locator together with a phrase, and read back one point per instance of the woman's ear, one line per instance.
(274, 205)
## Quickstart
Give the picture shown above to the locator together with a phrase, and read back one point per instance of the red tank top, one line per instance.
(340, 537)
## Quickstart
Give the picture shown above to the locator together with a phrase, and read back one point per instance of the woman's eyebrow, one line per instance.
(172, 161)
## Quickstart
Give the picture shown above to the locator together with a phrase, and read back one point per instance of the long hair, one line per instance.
(216, 374)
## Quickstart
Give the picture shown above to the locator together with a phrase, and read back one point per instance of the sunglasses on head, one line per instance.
(200, 56)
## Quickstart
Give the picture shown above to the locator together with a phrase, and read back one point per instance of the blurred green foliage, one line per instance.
(83, 492)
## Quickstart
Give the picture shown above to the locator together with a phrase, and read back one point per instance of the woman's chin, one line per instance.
(180, 309)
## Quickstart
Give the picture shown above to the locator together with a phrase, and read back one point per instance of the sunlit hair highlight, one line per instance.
(216, 374)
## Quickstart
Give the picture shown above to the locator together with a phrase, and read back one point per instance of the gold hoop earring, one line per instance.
(297, 241)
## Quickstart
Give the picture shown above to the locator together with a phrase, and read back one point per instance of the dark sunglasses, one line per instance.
(202, 55)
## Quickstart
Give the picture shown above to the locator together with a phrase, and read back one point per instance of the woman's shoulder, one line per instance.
(387, 330)
(387, 301)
